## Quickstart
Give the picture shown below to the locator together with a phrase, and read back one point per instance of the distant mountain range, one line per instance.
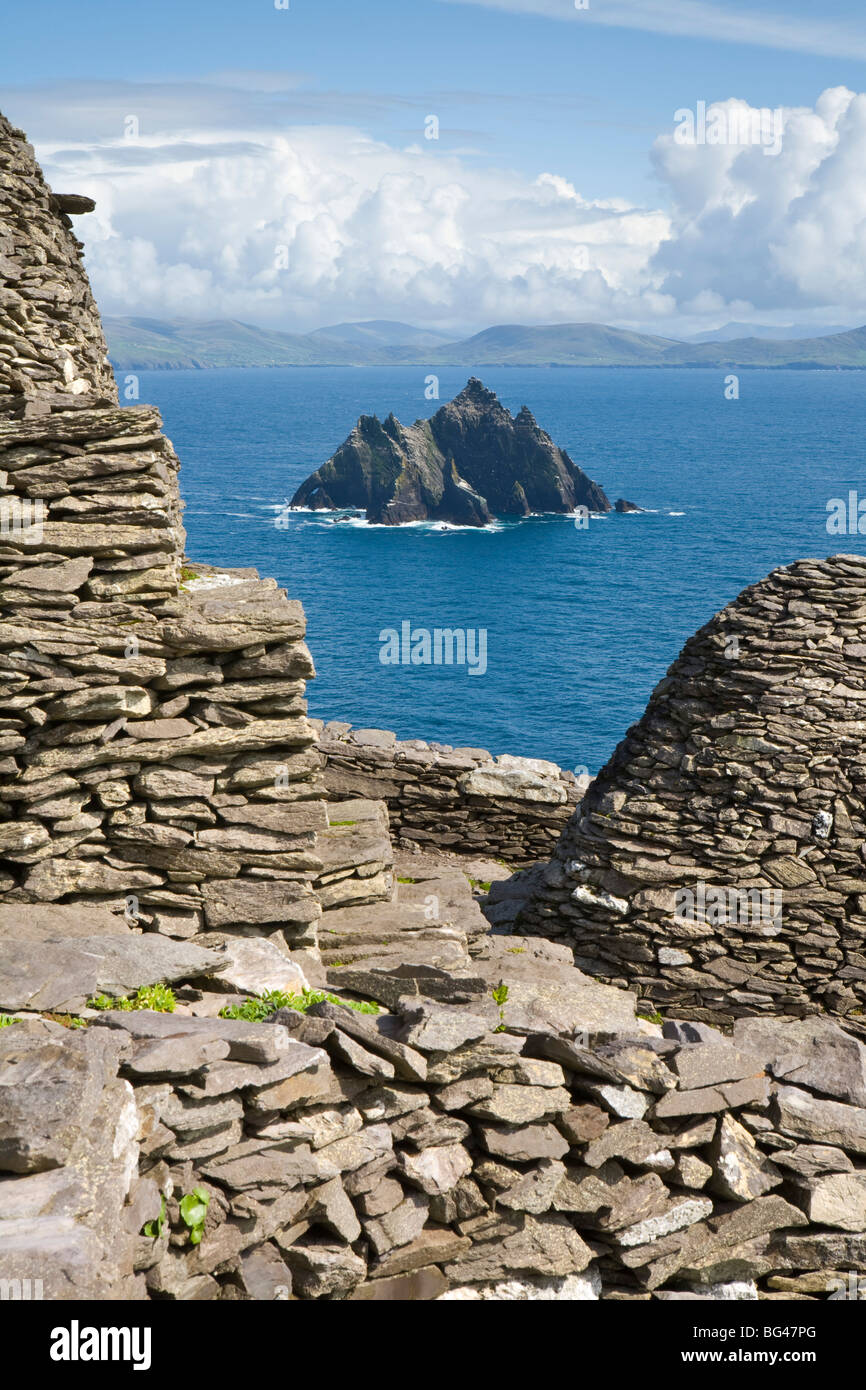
(730, 332)
(144, 343)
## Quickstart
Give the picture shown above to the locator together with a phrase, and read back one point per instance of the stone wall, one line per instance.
(717, 861)
(420, 1154)
(52, 350)
(462, 800)
(155, 757)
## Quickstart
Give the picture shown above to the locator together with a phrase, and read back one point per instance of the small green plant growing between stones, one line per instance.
(154, 1229)
(193, 1211)
(341, 822)
(158, 998)
(652, 1018)
(500, 995)
(6, 1020)
(406, 880)
(257, 1008)
(481, 883)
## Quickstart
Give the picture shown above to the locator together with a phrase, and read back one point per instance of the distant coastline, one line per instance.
(177, 345)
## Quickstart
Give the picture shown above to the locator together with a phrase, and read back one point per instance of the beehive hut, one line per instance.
(155, 757)
(717, 861)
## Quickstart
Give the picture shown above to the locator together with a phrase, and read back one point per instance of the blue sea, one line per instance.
(580, 623)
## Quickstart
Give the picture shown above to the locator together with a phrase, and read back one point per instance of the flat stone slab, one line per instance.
(814, 1052)
(59, 921)
(53, 974)
(261, 1043)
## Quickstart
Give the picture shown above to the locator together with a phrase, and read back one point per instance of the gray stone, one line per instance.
(421, 1285)
(812, 1052)
(707, 1100)
(346, 1049)
(49, 1078)
(491, 1051)
(330, 1207)
(435, 1170)
(811, 1160)
(433, 1027)
(803, 1116)
(741, 1171)
(432, 1246)
(399, 1226)
(371, 1032)
(523, 1143)
(425, 1129)
(264, 1274)
(522, 1244)
(391, 1100)
(322, 1269)
(691, 1171)
(536, 1190)
(633, 1140)
(60, 975)
(679, 1213)
(708, 1064)
(254, 965)
(461, 1094)
(357, 1150)
(608, 1198)
(387, 1194)
(516, 1104)
(836, 1199)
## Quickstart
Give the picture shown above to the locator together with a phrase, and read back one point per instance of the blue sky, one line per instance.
(522, 89)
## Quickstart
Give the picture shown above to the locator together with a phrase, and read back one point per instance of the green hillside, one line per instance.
(141, 343)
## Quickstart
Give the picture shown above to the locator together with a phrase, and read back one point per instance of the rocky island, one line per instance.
(471, 461)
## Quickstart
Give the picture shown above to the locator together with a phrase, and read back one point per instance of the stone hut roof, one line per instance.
(718, 858)
(53, 354)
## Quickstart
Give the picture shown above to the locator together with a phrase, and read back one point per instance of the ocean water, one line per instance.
(580, 623)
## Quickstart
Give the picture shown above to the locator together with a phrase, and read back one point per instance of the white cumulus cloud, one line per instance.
(298, 224)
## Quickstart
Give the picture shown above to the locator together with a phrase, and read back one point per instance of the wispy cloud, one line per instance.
(720, 23)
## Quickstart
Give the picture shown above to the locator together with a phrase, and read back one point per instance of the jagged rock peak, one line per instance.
(717, 859)
(48, 318)
(471, 461)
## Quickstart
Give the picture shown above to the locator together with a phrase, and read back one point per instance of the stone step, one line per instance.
(444, 954)
(356, 855)
(436, 913)
(449, 895)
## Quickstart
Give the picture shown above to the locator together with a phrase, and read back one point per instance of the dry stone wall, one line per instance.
(53, 354)
(155, 757)
(462, 800)
(422, 1153)
(717, 861)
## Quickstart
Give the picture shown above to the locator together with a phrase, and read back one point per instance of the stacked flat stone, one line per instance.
(447, 1147)
(53, 354)
(462, 800)
(155, 757)
(746, 775)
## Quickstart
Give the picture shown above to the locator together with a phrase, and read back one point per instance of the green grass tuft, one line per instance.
(158, 998)
(259, 1007)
